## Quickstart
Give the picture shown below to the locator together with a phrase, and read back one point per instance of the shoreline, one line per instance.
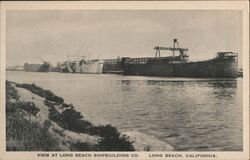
(65, 126)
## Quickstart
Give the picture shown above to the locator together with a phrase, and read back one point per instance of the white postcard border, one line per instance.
(130, 5)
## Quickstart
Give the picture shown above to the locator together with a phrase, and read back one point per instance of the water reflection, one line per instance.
(223, 84)
(125, 85)
(125, 82)
(224, 89)
(164, 83)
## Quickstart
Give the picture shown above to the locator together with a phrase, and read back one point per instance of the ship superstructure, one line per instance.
(80, 64)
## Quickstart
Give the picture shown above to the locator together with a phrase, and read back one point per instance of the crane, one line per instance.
(45, 62)
(174, 48)
(41, 59)
(76, 57)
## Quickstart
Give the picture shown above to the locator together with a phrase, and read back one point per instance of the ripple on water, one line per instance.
(190, 114)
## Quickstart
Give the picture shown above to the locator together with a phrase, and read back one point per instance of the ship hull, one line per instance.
(93, 67)
(226, 68)
(35, 68)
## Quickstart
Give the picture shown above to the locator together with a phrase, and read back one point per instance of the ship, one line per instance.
(45, 67)
(224, 65)
(80, 64)
(15, 68)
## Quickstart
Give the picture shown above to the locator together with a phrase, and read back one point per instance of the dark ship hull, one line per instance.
(224, 65)
(37, 67)
(218, 67)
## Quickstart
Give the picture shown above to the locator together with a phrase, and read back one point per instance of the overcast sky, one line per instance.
(107, 34)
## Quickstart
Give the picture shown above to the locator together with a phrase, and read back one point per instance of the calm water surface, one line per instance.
(190, 114)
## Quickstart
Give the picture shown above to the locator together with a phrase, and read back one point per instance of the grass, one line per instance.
(73, 120)
(111, 139)
(70, 119)
(25, 135)
(47, 94)
(11, 92)
(35, 137)
(27, 106)
(82, 146)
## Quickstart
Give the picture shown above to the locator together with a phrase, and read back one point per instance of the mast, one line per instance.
(157, 52)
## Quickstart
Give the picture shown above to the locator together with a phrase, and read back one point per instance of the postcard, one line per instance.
(130, 80)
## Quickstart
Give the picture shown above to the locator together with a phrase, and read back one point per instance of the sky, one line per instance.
(52, 35)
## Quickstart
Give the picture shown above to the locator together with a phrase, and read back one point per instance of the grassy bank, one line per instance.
(25, 134)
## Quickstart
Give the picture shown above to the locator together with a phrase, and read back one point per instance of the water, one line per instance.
(190, 114)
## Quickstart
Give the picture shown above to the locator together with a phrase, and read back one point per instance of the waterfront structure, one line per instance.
(112, 66)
